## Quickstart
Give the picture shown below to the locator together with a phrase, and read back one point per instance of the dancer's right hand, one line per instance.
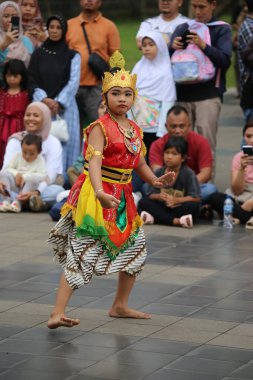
(107, 200)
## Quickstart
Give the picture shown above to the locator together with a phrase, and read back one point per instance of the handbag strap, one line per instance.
(86, 38)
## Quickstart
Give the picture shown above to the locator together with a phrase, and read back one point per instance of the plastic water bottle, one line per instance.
(228, 213)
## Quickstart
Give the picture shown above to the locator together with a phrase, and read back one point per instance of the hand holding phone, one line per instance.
(248, 149)
(184, 39)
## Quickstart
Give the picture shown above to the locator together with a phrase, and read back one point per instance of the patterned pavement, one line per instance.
(197, 284)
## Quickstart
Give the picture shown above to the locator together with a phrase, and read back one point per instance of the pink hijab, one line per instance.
(46, 122)
(16, 50)
(37, 17)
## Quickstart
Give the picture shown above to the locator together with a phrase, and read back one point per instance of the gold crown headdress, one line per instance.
(121, 78)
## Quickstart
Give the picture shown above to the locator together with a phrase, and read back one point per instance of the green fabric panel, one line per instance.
(121, 221)
(88, 227)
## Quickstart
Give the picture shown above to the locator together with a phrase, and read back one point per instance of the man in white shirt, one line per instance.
(166, 22)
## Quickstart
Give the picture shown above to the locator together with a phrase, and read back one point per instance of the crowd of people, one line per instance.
(49, 80)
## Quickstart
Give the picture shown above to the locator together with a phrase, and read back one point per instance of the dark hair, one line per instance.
(30, 139)
(179, 143)
(249, 124)
(15, 67)
(177, 110)
(249, 4)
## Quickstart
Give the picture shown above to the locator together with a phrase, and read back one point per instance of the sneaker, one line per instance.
(15, 206)
(36, 204)
(4, 206)
(62, 195)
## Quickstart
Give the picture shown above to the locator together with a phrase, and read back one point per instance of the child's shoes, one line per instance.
(15, 206)
(4, 206)
(186, 221)
(147, 218)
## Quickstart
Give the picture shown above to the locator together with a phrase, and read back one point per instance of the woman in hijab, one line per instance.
(37, 120)
(32, 21)
(54, 73)
(13, 44)
(156, 87)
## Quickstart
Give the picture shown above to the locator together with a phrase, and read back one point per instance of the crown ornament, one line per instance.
(122, 78)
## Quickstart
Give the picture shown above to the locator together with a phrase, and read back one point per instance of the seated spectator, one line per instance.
(54, 73)
(24, 173)
(156, 88)
(13, 44)
(199, 156)
(32, 21)
(178, 203)
(14, 99)
(241, 189)
(37, 120)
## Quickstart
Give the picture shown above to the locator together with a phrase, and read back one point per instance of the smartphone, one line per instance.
(248, 149)
(15, 22)
(184, 38)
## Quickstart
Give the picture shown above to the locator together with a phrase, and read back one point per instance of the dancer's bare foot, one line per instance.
(120, 312)
(57, 320)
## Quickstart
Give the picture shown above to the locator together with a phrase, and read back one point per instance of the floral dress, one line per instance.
(90, 239)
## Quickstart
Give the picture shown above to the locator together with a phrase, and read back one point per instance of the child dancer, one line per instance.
(100, 231)
(23, 173)
(177, 204)
(13, 101)
(156, 88)
(32, 21)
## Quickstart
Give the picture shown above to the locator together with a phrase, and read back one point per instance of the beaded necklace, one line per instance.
(131, 140)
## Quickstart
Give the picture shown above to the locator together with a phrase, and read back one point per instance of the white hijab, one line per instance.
(154, 77)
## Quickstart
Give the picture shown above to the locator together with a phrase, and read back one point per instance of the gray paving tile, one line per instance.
(171, 374)
(31, 375)
(27, 346)
(39, 334)
(245, 372)
(177, 299)
(7, 331)
(75, 301)
(204, 291)
(13, 294)
(222, 315)
(223, 353)
(105, 340)
(164, 347)
(79, 351)
(204, 366)
(232, 304)
(9, 360)
(166, 309)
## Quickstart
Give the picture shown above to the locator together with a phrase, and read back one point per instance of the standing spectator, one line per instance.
(104, 39)
(165, 23)
(32, 21)
(54, 73)
(24, 173)
(199, 155)
(37, 120)
(13, 44)
(156, 88)
(203, 100)
(177, 204)
(13, 101)
(245, 44)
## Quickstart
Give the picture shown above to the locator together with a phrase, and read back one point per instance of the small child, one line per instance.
(23, 173)
(156, 87)
(13, 101)
(177, 204)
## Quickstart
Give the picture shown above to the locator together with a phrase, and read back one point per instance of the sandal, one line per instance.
(4, 206)
(147, 218)
(206, 212)
(15, 207)
(186, 221)
(249, 224)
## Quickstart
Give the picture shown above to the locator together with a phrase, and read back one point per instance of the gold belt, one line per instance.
(110, 174)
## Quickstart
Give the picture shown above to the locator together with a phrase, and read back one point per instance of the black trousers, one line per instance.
(217, 201)
(165, 215)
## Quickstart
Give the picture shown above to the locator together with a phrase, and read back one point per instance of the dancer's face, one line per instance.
(120, 100)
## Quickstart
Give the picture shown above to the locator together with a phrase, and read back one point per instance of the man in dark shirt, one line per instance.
(202, 100)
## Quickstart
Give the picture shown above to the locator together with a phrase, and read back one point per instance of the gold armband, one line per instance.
(90, 152)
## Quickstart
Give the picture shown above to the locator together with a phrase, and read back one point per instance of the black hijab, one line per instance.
(50, 65)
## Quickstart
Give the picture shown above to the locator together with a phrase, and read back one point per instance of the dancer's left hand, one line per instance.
(164, 180)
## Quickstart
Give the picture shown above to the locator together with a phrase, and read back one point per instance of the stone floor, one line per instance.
(197, 284)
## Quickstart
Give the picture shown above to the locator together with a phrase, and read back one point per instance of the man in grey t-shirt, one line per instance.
(166, 22)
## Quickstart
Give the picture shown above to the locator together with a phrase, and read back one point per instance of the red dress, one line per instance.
(12, 109)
